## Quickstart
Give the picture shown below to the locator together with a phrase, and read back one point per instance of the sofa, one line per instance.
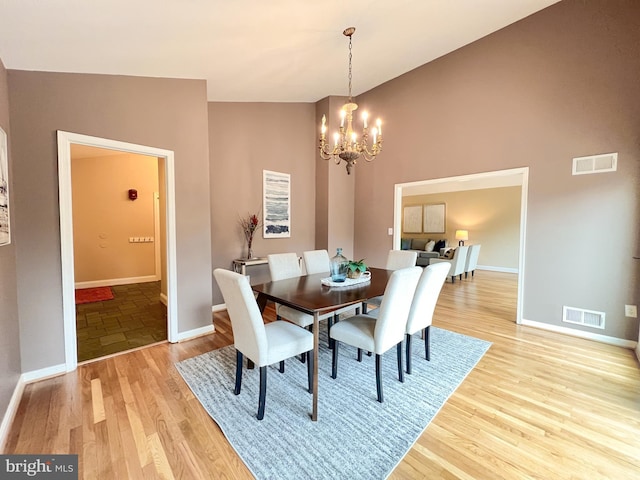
(425, 247)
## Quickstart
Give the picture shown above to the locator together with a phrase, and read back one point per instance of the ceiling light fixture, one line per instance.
(346, 145)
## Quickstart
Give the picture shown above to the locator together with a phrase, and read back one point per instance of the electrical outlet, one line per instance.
(390, 231)
(631, 311)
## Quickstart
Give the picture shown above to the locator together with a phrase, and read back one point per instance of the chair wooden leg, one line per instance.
(427, 343)
(408, 348)
(310, 370)
(334, 360)
(263, 392)
(281, 366)
(460, 277)
(364, 308)
(238, 372)
(400, 369)
(359, 354)
(453, 279)
(303, 356)
(330, 323)
(466, 274)
(379, 376)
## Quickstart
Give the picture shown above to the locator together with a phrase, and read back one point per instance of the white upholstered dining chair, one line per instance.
(457, 262)
(422, 307)
(396, 259)
(377, 335)
(318, 261)
(287, 265)
(263, 344)
(472, 260)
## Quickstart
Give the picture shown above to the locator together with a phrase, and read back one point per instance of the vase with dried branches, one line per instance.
(249, 225)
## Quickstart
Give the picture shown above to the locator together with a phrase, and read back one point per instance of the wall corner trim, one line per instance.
(618, 342)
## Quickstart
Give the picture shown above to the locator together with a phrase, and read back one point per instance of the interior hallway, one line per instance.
(133, 318)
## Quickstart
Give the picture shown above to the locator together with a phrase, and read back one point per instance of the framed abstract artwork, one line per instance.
(412, 219)
(5, 228)
(433, 218)
(276, 192)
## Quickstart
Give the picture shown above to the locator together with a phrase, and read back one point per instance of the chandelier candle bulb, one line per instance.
(364, 118)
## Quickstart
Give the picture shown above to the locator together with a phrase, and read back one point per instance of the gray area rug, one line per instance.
(355, 436)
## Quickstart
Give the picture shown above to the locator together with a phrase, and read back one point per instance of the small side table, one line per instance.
(240, 264)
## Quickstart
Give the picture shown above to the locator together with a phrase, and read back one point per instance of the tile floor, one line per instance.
(134, 318)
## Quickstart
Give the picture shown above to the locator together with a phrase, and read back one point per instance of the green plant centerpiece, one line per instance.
(356, 268)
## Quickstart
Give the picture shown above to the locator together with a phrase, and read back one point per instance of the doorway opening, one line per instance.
(164, 259)
(485, 180)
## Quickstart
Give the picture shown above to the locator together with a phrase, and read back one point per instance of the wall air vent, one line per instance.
(607, 162)
(581, 316)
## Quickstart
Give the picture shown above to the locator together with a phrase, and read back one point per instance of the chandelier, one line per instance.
(346, 145)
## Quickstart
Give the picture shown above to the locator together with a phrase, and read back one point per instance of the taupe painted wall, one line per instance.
(245, 139)
(337, 199)
(163, 113)
(492, 217)
(9, 335)
(559, 84)
(104, 217)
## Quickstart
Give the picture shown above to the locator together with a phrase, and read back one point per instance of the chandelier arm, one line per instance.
(369, 157)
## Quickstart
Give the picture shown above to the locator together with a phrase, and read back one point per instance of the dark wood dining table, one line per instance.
(307, 294)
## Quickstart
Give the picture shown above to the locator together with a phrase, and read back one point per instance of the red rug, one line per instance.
(90, 295)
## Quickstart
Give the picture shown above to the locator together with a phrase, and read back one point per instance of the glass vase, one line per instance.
(249, 249)
(338, 267)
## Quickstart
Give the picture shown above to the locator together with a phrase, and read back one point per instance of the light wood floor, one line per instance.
(538, 405)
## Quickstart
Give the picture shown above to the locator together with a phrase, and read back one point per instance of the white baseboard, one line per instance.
(619, 342)
(25, 379)
(10, 413)
(43, 373)
(117, 281)
(195, 333)
(218, 308)
(164, 300)
(497, 269)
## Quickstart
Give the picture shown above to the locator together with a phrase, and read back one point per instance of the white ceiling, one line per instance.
(248, 50)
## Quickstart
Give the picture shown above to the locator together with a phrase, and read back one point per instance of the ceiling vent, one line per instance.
(607, 162)
(581, 316)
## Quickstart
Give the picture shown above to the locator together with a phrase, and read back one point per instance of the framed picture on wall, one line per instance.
(433, 218)
(276, 192)
(412, 219)
(5, 228)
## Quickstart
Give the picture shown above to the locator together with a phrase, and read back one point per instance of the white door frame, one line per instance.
(65, 139)
(523, 173)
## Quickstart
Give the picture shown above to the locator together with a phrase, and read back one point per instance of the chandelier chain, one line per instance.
(350, 75)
